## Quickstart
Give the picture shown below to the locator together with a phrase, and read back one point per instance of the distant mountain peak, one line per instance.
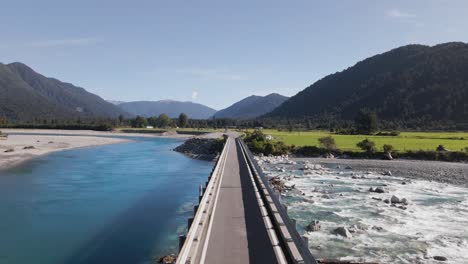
(170, 107)
(252, 106)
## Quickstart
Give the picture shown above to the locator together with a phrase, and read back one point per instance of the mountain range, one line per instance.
(172, 108)
(409, 83)
(413, 83)
(28, 95)
(252, 107)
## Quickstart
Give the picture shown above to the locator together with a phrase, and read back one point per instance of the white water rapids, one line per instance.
(435, 222)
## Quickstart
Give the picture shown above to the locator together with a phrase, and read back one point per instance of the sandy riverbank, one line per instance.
(88, 133)
(445, 172)
(45, 141)
(44, 144)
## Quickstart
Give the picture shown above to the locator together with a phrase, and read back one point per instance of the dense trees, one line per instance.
(139, 122)
(183, 120)
(366, 122)
(412, 87)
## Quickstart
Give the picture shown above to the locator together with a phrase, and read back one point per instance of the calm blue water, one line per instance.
(123, 203)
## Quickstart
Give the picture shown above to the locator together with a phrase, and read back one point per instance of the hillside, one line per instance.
(27, 95)
(169, 107)
(410, 83)
(252, 106)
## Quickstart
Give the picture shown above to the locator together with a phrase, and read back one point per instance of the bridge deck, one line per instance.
(237, 233)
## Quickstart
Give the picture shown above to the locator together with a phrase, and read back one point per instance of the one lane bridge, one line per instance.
(240, 218)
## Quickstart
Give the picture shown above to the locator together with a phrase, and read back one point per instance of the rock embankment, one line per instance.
(201, 148)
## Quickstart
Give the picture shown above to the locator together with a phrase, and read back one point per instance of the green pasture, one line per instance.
(454, 141)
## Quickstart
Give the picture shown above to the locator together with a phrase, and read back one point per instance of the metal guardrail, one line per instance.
(294, 247)
(288, 245)
(193, 242)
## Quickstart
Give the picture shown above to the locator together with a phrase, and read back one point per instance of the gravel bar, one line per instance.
(445, 172)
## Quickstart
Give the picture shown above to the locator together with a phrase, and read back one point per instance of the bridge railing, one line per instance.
(294, 247)
(192, 243)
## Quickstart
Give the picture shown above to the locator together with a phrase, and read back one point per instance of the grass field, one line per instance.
(455, 141)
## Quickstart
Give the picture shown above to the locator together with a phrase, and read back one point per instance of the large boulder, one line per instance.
(342, 231)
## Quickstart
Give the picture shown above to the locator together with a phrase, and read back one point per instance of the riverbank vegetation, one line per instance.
(202, 148)
(411, 145)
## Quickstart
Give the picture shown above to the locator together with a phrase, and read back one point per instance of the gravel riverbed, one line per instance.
(445, 172)
(395, 212)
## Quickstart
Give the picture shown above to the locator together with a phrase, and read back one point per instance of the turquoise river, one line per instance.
(122, 203)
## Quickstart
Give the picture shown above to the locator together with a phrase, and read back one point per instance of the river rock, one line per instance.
(377, 190)
(387, 173)
(169, 259)
(387, 201)
(357, 228)
(388, 156)
(394, 199)
(348, 168)
(314, 226)
(342, 231)
(404, 201)
(9, 150)
(440, 258)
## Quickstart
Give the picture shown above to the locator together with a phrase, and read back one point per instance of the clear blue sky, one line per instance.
(213, 52)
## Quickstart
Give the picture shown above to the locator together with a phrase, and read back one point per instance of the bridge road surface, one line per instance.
(238, 233)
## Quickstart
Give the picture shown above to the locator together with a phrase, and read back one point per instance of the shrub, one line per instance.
(390, 134)
(441, 148)
(328, 143)
(309, 151)
(257, 143)
(387, 148)
(367, 145)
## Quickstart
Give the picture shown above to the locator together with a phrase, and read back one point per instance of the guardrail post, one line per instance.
(200, 193)
(181, 241)
(189, 222)
(305, 240)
